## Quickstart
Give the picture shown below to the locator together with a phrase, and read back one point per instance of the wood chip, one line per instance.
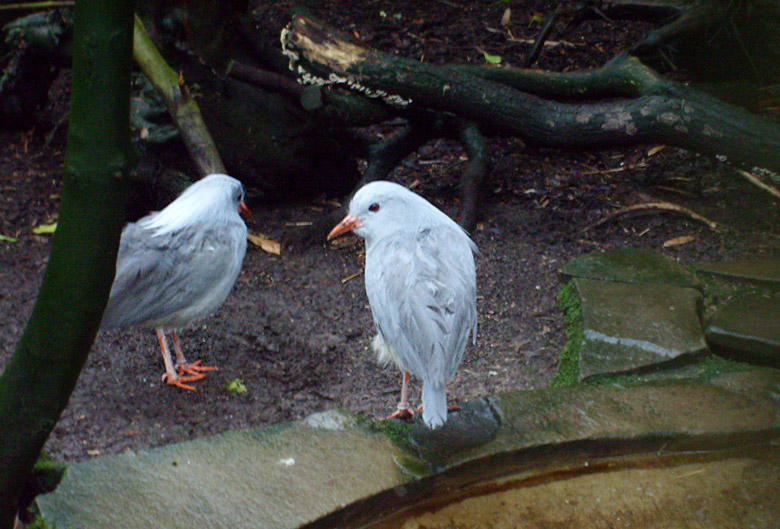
(677, 241)
(656, 150)
(266, 244)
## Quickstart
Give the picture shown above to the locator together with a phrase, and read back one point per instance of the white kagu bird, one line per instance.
(421, 285)
(178, 265)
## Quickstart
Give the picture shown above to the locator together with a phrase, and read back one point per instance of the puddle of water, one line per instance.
(690, 490)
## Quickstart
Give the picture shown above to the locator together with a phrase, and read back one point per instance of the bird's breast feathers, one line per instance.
(422, 292)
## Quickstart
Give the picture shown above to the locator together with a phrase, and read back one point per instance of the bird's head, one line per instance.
(216, 197)
(382, 208)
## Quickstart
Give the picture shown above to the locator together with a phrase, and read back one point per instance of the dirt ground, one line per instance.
(297, 327)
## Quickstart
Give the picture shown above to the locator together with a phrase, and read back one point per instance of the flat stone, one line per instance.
(331, 471)
(748, 324)
(717, 407)
(634, 326)
(271, 477)
(632, 266)
(551, 436)
(763, 272)
(624, 492)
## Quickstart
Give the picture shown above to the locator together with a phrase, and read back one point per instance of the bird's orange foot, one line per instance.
(193, 369)
(401, 413)
(179, 381)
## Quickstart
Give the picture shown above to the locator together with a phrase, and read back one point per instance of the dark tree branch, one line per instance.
(669, 113)
(471, 180)
(384, 155)
(536, 49)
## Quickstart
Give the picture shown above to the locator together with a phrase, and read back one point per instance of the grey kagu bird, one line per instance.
(178, 265)
(421, 286)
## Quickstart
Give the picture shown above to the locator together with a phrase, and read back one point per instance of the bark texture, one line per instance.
(39, 378)
(652, 109)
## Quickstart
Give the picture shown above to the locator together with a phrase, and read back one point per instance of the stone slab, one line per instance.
(626, 493)
(552, 435)
(762, 272)
(634, 326)
(720, 405)
(332, 472)
(632, 266)
(273, 477)
(748, 324)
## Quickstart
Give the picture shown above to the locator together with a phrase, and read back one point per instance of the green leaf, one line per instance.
(236, 386)
(45, 228)
(492, 59)
(6, 238)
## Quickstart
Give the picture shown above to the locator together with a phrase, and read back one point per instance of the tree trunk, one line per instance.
(39, 378)
(661, 111)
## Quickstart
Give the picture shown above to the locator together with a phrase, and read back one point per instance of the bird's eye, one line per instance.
(373, 207)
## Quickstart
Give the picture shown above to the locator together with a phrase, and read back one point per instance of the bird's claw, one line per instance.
(401, 413)
(193, 369)
(179, 382)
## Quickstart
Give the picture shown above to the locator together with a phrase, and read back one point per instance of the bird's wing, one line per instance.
(422, 291)
(157, 277)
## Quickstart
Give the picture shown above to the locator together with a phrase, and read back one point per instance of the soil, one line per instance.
(297, 327)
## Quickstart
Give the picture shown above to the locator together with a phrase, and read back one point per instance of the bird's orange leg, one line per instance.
(171, 376)
(403, 411)
(182, 366)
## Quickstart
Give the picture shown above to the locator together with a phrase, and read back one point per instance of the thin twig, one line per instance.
(351, 276)
(36, 5)
(667, 206)
(753, 179)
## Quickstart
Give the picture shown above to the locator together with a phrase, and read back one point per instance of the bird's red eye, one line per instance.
(373, 207)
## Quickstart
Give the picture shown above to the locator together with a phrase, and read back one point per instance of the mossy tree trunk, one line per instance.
(40, 377)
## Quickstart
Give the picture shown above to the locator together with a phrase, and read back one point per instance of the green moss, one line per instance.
(568, 373)
(39, 523)
(714, 365)
(613, 379)
(397, 431)
(703, 368)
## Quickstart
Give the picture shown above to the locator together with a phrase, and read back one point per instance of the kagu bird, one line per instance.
(178, 265)
(421, 285)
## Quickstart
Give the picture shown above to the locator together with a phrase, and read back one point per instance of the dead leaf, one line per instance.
(265, 244)
(507, 17)
(677, 241)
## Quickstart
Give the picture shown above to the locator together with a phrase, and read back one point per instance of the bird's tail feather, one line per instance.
(434, 400)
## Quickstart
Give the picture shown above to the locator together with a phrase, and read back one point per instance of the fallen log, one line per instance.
(660, 111)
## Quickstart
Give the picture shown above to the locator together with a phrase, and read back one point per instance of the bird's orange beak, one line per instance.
(348, 223)
(244, 211)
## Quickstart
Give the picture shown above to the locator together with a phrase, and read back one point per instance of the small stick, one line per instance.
(668, 206)
(753, 179)
(350, 277)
